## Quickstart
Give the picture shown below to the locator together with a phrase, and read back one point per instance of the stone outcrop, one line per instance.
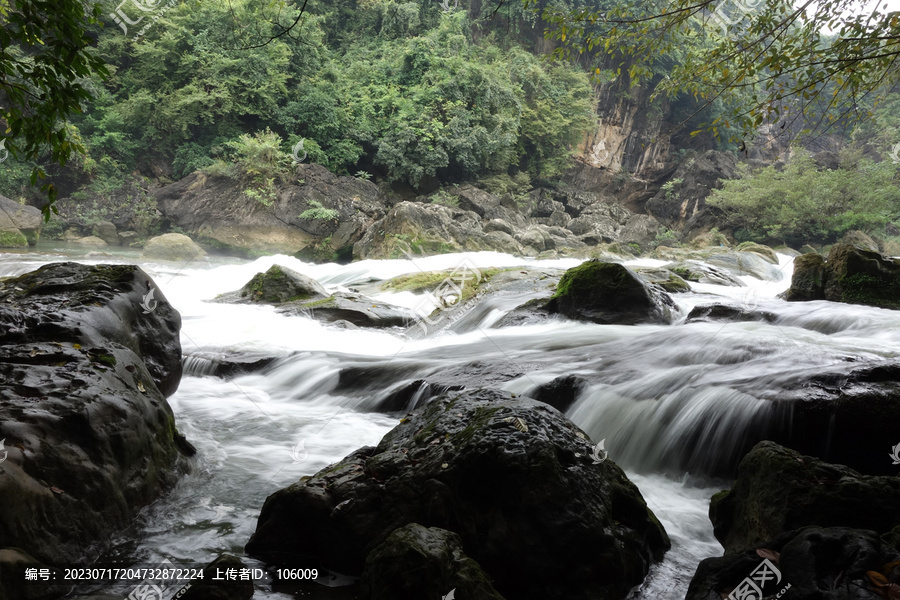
(512, 478)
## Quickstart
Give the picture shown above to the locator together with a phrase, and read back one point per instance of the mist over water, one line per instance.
(669, 401)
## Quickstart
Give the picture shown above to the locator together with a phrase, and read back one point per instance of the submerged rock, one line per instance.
(779, 490)
(84, 371)
(850, 274)
(513, 478)
(609, 293)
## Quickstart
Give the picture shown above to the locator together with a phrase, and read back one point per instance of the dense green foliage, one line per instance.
(46, 62)
(811, 64)
(403, 90)
(800, 204)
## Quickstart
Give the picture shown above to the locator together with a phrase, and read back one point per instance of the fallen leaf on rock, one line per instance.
(140, 387)
(56, 490)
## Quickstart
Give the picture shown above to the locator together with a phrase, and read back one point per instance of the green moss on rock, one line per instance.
(13, 238)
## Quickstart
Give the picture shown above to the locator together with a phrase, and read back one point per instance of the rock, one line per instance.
(560, 393)
(503, 242)
(860, 240)
(417, 562)
(353, 308)
(764, 251)
(216, 211)
(807, 249)
(208, 588)
(84, 373)
(639, 229)
(91, 241)
(747, 263)
(723, 312)
(463, 463)
(664, 278)
(779, 490)
(692, 270)
(128, 238)
(498, 225)
(850, 275)
(411, 395)
(533, 238)
(280, 284)
(609, 293)
(808, 281)
(172, 246)
(106, 231)
(813, 563)
(297, 294)
(421, 229)
(18, 221)
(225, 365)
(471, 198)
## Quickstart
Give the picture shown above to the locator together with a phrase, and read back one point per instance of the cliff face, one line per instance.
(631, 134)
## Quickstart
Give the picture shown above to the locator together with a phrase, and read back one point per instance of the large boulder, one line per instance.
(20, 225)
(513, 478)
(609, 293)
(779, 490)
(280, 284)
(313, 211)
(417, 562)
(172, 246)
(87, 358)
(814, 563)
(750, 263)
(422, 229)
(850, 274)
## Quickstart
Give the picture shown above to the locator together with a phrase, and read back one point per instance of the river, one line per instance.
(672, 400)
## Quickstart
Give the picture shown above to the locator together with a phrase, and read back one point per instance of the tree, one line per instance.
(819, 63)
(46, 61)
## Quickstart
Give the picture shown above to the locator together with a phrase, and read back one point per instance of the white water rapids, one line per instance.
(662, 387)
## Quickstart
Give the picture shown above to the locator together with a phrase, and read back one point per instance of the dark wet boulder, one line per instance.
(850, 274)
(609, 293)
(813, 563)
(513, 478)
(726, 313)
(86, 362)
(561, 392)
(808, 281)
(779, 490)
(417, 562)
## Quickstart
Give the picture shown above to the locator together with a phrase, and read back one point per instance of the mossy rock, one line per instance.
(858, 276)
(760, 249)
(279, 285)
(606, 292)
(808, 282)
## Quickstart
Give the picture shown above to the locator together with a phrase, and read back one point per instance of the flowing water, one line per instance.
(669, 401)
